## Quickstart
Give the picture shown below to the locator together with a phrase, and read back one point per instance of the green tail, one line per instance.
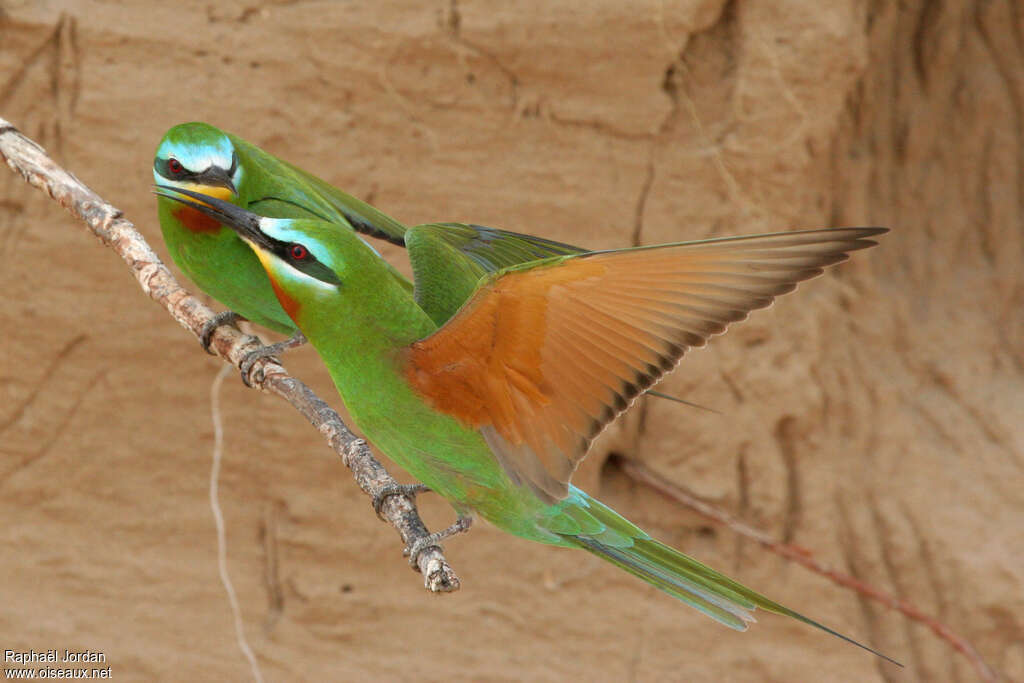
(589, 524)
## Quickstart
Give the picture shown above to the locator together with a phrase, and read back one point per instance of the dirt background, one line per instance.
(874, 417)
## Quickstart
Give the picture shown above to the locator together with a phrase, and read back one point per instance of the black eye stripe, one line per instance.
(309, 264)
(212, 175)
(162, 166)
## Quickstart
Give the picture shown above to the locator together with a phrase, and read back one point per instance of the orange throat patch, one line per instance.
(288, 303)
(197, 221)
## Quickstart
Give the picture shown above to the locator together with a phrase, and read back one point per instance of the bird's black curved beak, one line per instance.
(245, 223)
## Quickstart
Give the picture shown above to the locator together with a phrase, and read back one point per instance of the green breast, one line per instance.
(438, 450)
(221, 265)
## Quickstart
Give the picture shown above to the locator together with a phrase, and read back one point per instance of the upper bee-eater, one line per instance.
(450, 257)
(495, 408)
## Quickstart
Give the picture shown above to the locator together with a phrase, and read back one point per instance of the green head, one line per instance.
(307, 261)
(198, 157)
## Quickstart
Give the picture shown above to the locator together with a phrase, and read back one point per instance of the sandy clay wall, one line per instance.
(874, 417)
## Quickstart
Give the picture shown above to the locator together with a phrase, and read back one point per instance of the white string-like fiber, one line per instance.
(218, 519)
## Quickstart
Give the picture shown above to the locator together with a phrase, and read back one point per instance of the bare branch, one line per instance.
(802, 556)
(106, 222)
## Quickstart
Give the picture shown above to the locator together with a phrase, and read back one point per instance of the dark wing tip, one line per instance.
(862, 235)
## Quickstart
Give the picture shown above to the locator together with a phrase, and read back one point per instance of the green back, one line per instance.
(273, 187)
(449, 259)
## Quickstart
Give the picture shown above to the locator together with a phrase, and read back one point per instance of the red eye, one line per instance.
(174, 166)
(299, 252)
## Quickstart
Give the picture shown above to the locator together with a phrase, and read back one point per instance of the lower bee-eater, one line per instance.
(494, 409)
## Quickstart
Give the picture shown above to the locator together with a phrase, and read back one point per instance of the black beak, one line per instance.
(218, 176)
(229, 174)
(245, 223)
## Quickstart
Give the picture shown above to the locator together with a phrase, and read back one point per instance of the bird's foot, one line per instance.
(461, 525)
(396, 490)
(268, 351)
(222, 318)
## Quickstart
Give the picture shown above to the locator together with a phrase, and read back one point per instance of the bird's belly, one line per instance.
(453, 460)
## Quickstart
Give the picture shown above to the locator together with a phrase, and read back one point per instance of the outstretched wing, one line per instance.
(545, 355)
(449, 260)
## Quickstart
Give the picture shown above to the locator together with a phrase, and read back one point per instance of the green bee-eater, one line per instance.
(450, 258)
(495, 408)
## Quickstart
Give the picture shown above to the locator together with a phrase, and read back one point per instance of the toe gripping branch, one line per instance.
(249, 361)
(222, 318)
(433, 540)
(410, 490)
(268, 351)
(461, 525)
